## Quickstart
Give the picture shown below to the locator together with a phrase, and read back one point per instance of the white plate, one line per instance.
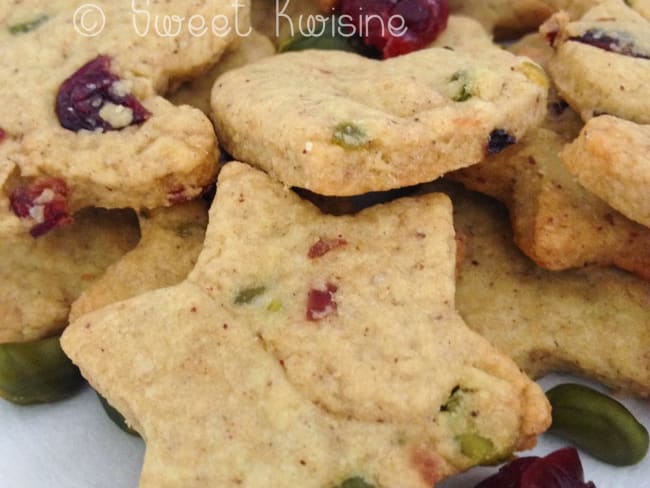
(72, 444)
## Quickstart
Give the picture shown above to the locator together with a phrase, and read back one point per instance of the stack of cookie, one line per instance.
(299, 327)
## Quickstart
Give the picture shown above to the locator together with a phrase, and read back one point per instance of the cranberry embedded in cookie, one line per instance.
(45, 201)
(94, 98)
(617, 42)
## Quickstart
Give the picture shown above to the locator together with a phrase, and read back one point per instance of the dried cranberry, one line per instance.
(616, 42)
(178, 195)
(320, 303)
(3, 134)
(380, 23)
(45, 201)
(83, 95)
(499, 140)
(325, 245)
(560, 469)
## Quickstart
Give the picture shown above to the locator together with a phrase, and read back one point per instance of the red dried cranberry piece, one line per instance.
(423, 21)
(320, 303)
(325, 245)
(560, 469)
(613, 42)
(3, 134)
(83, 95)
(509, 475)
(45, 201)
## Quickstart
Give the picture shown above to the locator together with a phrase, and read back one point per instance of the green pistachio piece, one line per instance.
(274, 305)
(37, 372)
(454, 401)
(534, 73)
(116, 416)
(247, 295)
(597, 424)
(350, 136)
(462, 86)
(28, 26)
(478, 448)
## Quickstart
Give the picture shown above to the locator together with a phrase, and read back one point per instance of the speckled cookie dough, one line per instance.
(252, 374)
(86, 111)
(507, 18)
(40, 278)
(340, 124)
(196, 93)
(556, 222)
(592, 322)
(167, 251)
(601, 63)
(611, 158)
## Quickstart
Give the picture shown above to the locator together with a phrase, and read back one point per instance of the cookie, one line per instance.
(171, 241)
(508, 19)
(504, 17)
(293, 355)
(610, 38)
(339, 124)
(86, 111)
(611, 158)
(556, 222)
(641, 6)
(592, 321)
(463, 33)
(560, 118)
(40, 278)
(280, 20)
(249, 49)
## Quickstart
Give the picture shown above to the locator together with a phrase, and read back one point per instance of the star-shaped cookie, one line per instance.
(593, 321)
(611, 159)
(307, 349)
(556, 221)
(170, 244)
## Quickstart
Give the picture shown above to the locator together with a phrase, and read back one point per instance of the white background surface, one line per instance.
(72, 444)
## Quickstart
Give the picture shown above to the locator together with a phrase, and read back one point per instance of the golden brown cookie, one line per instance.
(592, 322)
(294, 346)
(611, 158)
(601, 62)
(556, 222)
(167, 251)
(40, 278)
(339, 124)
(249, 49)
(81, 110)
